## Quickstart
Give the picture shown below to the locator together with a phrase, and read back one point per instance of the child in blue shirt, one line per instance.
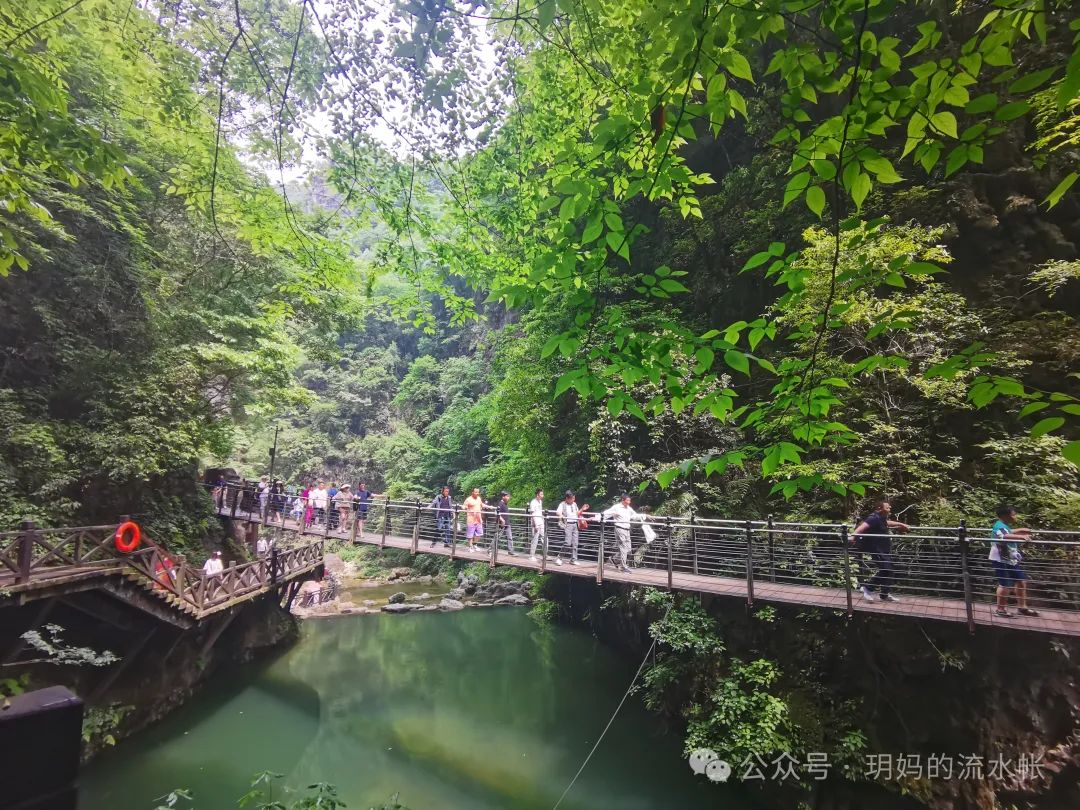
(1005, 556)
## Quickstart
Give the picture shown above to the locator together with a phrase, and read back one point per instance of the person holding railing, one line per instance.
(341, 504)
(622, 514)
(1005, 557)
(872, 536)
(318, 499)
(443, 505)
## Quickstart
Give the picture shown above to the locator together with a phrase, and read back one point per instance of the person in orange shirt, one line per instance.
(474, 518)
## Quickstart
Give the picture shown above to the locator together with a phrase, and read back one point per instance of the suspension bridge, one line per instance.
(942, 573)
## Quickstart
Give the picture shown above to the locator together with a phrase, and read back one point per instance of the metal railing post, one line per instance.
(453, 539)
(544, 556)
(969, 608)
(772, 556)
(670, 553)
(693, 539)
(749, 566)
(26, 550)
(416, 530)
(495, 539)
(600, 559)
(847, 568)
(385, 522)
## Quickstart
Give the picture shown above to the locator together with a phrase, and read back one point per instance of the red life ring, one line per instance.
(127, 546)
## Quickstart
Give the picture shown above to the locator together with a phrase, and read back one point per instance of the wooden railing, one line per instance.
(33, 557)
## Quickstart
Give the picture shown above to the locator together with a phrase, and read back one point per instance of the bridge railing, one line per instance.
(30, 551)
(32, 555)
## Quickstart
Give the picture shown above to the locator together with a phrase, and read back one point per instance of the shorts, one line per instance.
(1007, 574)
(474, 530)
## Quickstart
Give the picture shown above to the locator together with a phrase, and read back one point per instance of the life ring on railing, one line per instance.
(128, 545)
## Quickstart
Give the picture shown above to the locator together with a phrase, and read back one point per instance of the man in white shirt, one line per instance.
(568, 512)
(262, 545)
(213, 565)
(318, 498)
(621, 515)
(536, 515)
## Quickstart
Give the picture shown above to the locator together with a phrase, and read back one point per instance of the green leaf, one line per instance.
(551, 345)
(1033, 407)
(860, 188)
(1008, 112)
(704, 357)
(593, 229)
(981, 104)
(944, 122)
(1054, 197)
(1031, 81)
(545, 14)
(737, 64)
(757, 260)
(671, 285)
(815, 199)
(1044, 426)
(615, 406)
(1071, 451)
(665, 478)
(737, 361)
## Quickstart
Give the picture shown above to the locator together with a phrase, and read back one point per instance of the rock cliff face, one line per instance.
(916, 688)
(159, 666)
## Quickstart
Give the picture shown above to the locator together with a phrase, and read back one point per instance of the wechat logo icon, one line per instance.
(705, 761)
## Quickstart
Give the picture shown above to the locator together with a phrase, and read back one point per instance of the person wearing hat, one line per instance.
(343, 503)
(621, 515)
(502, 512)
(568, 513)
(213, 565)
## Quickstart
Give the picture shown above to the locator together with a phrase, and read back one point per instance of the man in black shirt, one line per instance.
(444, 516)
(872, 537)
(502, 511)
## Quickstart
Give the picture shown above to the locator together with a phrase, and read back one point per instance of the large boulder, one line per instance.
(398, 573)
(512, 599)
(450, 604)
(401, 607)
(457, 593)
(396, 598)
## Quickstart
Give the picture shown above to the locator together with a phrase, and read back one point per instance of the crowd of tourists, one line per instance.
(317, 504)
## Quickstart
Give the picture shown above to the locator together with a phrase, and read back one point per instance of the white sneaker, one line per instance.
(532, 558)
(558, 561)
(888, 597)
(867, 594)
(574, 562)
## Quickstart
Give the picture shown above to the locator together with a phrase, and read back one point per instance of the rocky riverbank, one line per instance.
(400, 590)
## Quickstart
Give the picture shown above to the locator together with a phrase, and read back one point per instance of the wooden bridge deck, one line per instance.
(1061, 622)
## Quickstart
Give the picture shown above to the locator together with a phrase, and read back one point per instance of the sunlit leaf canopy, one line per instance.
(526, 149)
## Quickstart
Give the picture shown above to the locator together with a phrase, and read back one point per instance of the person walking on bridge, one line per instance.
(872, 536)
(502, 515)
(213, 565)
(568, 513)
(474, 518)
(536, 519)
(1006, 557)
(622, 515)
(363, 501)
(443, 505)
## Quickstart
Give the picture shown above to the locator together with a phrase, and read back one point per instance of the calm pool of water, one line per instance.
(471, 710)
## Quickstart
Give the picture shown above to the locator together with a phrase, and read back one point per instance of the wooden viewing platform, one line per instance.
(41, 563)
(755, 562)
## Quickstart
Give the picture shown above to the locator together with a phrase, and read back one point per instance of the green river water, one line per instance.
(477, 709)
